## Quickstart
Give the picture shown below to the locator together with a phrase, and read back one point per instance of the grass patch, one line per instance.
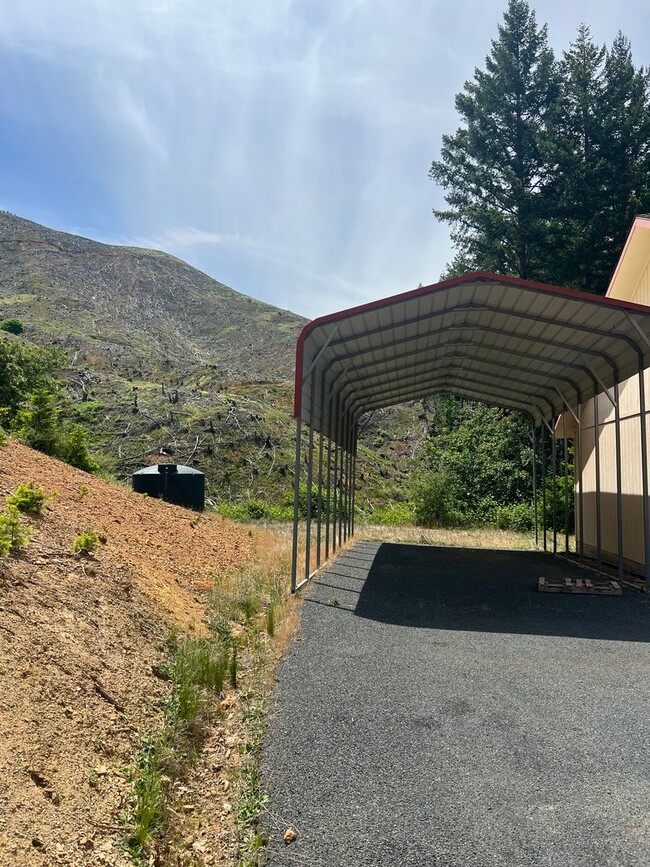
(228, 668)
(197, 668)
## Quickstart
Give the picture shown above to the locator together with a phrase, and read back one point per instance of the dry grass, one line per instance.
(488, 537)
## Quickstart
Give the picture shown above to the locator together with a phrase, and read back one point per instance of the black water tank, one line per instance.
(173, 483)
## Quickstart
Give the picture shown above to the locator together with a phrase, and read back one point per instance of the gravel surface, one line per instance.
(436, 709)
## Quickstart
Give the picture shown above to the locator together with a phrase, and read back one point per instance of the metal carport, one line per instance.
(538, 349)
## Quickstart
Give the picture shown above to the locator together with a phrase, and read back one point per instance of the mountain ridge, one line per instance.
(138, 308)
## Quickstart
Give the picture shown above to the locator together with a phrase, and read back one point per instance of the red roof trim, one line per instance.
(475, 277)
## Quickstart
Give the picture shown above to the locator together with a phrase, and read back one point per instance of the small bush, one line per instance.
(74, 449)
(431, 500)
(13, 326)
(28, 498)
(38, 424)
(13, 533)
(515, 516)
(87, 542)
(393, 515)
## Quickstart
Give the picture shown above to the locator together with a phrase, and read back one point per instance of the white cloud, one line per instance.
(297, 135)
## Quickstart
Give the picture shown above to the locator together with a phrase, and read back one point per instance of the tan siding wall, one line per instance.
(641, 294)
(631, 472)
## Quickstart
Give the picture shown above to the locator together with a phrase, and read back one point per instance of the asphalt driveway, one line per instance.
(435, 709)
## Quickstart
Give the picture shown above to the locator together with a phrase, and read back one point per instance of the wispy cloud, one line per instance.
(296, 135)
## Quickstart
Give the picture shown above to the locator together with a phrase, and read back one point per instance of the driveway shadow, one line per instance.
(475, 590)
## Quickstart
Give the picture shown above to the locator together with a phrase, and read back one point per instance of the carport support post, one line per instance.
(328, 500)
(354, 472)
(532, 425)
(344, 481)
(351, 478)
(348, 487)
(599, 555)
(319, 519)
(577, 462)
(543, 450)
(310, 478)
(554, 470)
(296, 498)
(644, 473)
(619, 480)
(320, 496)
(347, 481)
(334, 491)
(566, 485)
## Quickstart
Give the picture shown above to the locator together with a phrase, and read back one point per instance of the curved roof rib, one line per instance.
(509, 342)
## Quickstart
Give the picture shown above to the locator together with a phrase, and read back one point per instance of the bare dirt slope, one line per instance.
(78, 639)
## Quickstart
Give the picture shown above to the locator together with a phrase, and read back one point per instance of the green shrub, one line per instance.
(559, 503)
(393, 515)
(87, 542)
(28, 498)
(515, 516)
(431, 501)
(13, 533)
(37, 424)
(13, 326)
(74, 449)
(23, 369)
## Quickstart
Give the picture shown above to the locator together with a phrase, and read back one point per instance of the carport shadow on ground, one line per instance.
(475, 590)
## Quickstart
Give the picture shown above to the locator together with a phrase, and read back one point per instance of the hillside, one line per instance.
(79, 643)
(140, 312)
(161, 358)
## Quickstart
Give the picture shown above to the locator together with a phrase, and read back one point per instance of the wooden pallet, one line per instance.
(594, 586)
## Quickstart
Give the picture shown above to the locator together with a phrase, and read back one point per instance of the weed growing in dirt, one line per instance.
(197, 668)
(196, 663)
(232, 671)
(199, 671)
(14, 535)
(87, 542)
(28, 498)
(148, 779)
(270, 620)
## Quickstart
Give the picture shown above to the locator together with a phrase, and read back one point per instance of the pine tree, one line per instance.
(626, 105)
(494, 168)
(37, 425)
(577, 150)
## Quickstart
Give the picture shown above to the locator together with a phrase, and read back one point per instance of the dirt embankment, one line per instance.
(79, 639)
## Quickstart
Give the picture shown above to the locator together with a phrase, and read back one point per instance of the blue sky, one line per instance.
(282, 147)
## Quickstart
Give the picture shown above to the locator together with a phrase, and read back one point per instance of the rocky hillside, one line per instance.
(141, 312)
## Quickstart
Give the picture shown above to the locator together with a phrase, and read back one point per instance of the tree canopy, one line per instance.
(552, 160)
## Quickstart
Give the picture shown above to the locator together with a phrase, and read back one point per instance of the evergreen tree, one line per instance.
(578, 151)
(494, 168)
(626, 104)
(37, 424)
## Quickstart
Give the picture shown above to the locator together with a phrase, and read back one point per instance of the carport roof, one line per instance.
(510, 342)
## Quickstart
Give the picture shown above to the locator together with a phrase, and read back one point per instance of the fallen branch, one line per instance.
(107, 696)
